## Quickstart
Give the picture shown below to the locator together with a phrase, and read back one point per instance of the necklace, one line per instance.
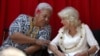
(33, 31)
(82, 35)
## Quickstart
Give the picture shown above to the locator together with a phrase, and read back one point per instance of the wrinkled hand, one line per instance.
(42, 42)
(55, 50)
(82, 54)
(52, 48)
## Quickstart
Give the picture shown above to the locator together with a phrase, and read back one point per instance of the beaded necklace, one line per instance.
(33, 31)
(82, 35)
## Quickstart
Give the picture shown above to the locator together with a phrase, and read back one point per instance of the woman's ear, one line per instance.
(37, 13)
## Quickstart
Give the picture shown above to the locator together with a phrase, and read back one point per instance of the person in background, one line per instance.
(74, 38)
(30, 33)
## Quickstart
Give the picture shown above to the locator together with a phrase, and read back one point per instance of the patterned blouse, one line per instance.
(22, 24)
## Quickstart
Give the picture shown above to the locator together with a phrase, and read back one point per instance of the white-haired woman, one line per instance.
(30, 33)
(74, 38)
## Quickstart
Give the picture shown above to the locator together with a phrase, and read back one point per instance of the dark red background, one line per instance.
(10, 9)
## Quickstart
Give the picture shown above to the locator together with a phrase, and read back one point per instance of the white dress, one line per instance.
(78, 43)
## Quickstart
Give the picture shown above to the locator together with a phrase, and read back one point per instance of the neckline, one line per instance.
(67, 33)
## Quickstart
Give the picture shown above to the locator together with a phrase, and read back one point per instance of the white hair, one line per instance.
(70, 14)
(42, 6)
(11, 51)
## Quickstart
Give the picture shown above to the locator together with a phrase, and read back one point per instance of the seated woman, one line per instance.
(74, 38)
(31, 34)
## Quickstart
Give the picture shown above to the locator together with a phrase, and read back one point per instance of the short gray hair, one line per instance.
(70, 14)
(42, 6)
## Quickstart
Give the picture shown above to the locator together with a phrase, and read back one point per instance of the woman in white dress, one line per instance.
(74, 38)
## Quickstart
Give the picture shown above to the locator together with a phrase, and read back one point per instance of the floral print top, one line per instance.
(22, 24)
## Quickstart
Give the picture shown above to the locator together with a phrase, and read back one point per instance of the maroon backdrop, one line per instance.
(10, 9)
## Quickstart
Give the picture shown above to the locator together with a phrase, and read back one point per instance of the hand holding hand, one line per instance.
(42, 42)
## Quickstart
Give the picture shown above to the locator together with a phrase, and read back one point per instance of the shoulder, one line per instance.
(22, 17)
(61, 30)
(85, 26)
(20, 20)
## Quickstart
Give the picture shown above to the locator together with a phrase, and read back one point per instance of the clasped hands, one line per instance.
(42, 42)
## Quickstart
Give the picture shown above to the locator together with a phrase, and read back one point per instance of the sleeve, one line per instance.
(16, 25)
(55, 42)
(45, 33)
(90, 38)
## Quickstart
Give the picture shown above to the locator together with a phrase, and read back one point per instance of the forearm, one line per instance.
(54, 49)
(22, 39)
(32, 49)
(92, 50)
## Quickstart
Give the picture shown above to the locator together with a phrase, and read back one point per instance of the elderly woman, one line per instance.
(30, 33)
(74, 38)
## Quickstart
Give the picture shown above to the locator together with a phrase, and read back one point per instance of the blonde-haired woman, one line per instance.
(74, 38)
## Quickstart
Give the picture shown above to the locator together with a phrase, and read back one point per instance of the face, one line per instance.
(65, 22)
(43, 17)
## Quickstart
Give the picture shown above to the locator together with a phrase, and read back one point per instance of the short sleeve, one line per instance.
(18, 24)
(56, 39)
(54, 42)
(90, 37)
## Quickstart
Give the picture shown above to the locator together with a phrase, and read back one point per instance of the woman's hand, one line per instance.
(85, 53)
(60, 54)
(55, 50)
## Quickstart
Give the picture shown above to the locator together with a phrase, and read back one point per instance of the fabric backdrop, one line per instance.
(10, 9)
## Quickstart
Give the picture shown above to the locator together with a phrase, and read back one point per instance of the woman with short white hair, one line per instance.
(74, 38)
